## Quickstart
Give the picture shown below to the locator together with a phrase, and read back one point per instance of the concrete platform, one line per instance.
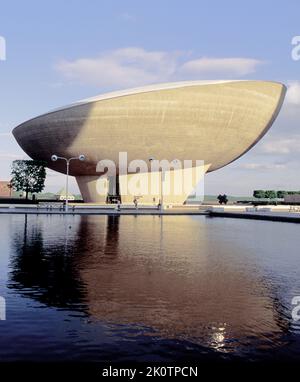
(101, 210)
(274, 213)
(289, 214)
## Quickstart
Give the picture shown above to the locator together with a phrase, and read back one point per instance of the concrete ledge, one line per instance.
(92, 206)
(271, 216)
(102, 211)
(34, 206)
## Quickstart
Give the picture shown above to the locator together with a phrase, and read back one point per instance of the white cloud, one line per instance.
(6, 135)
(135, 67)
(282, 146)
(122, 67)
(263, 166)
(12, 156)
(293, 93)
(223, 66)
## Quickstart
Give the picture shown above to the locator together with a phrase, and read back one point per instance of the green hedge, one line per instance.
(272, 194)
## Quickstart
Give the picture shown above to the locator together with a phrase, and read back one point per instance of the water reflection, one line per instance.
(182, 277)
(46, 272)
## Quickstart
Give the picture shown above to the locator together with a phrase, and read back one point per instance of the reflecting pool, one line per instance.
(147, 288)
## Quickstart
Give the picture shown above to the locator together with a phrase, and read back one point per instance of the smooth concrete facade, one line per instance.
(158, 186)
(213, 121)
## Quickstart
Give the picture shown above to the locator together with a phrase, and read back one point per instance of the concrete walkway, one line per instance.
(274, 213)
(101, 210)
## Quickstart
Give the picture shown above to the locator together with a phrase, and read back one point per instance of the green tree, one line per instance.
(28, 176)
(271, 194)
(259, 194)
(281, 194)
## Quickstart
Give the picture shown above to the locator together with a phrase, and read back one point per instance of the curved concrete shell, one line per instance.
(213, 121)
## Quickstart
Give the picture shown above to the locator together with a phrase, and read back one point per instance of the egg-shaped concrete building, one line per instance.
(211, 121)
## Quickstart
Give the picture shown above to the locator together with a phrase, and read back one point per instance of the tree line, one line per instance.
(272, 194)
(29, 176)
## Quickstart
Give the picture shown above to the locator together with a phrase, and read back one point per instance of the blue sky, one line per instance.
(58, 52)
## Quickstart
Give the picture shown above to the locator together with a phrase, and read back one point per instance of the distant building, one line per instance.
(62, 195)
(292, 198)
(5, 189)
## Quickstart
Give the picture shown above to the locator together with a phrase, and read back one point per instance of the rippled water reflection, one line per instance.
(147, 288)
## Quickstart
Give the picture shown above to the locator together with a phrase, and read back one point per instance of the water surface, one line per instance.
(147, 288)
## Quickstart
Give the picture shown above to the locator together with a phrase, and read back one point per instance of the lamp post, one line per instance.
(161, 184)
(162, 176)
(54, 158)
